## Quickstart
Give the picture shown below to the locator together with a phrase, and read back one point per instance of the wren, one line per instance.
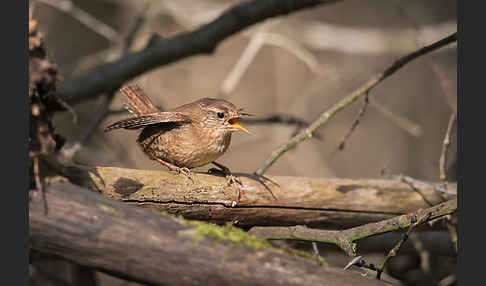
(189, 136)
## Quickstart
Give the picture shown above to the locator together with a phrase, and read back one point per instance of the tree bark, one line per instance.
(336, 203)
(141, 245)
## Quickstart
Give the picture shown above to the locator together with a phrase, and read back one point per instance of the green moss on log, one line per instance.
(237, 236)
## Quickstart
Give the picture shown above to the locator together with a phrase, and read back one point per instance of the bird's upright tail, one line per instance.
(138, 102)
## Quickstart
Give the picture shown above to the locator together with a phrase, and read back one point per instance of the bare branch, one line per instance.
(406, 124)
(445, 146)
(346, 239)
(418, 183)
(355, 122)
(163, 51)
(362, 90)
(245, 59)
(394, 251)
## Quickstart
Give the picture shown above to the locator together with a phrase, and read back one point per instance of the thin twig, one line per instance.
(442, 78)
(412, 181)
(71, 149)
(359, 261)
(245, 59)
(39, 183)
(295, 48)
(406, 124)
(394, 251)
(345, 239)
(423, 253)
(257, 41)
(278, 118)
(85, 18)
(451, 227)
(139, 21)
(448, 280)
(316, 249)
(417, 190)
(370, 84)
(355, 122)
(445, 146)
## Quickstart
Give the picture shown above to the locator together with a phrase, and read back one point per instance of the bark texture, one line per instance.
(337, 203)
(144, 246)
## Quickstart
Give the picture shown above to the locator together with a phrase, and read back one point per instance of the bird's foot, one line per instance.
(230, 179)
(233, 180)
(185, 171)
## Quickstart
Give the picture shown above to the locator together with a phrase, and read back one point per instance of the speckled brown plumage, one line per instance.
(190, 136)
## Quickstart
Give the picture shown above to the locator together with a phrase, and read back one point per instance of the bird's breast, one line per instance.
(186, 146)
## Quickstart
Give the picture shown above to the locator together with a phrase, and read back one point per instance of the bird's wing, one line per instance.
(149, 119)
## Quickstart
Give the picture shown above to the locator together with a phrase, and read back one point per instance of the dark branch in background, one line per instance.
(163, 51)
(71, 149)
(281, 119)
(445, 147)
(276, 119)
(355, 122)
(362, 90)
(284, 119)
(394, 251)
(450, 222)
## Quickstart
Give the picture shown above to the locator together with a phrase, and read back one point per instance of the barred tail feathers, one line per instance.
(138, 102)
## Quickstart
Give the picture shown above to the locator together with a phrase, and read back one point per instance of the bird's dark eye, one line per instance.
(220, 114)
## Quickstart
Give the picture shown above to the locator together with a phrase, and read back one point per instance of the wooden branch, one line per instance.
(445, 146)
(163, 51)
(141, 245)
(345, 239)
(338, 203)
(362, 90)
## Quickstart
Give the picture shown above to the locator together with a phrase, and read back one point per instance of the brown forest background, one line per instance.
(308, 61)
(277, 82)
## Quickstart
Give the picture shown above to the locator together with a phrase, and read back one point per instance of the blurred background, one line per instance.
(298, 66)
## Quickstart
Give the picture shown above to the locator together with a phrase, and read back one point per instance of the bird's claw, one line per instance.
(186, 172)
(233, 180)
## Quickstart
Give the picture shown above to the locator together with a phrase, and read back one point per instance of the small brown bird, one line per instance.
(190, 136)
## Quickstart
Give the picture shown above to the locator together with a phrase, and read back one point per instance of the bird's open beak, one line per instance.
(233, 122)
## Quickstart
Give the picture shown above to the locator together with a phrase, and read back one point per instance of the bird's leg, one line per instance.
(230, 178)
(184, 170)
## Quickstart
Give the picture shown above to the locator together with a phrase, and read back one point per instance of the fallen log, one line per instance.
(144, 246)
(315, 202)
